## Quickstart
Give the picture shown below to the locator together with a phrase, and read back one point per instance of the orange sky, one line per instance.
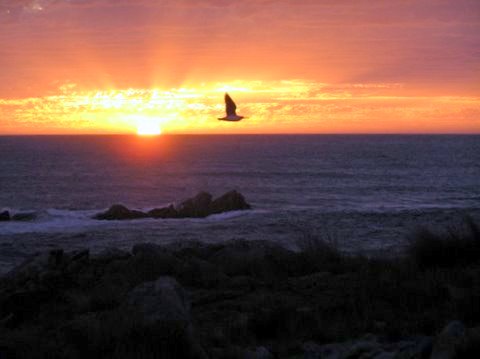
(312, 66)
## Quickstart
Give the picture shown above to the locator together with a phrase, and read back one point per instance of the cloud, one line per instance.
(427, 45)
(271, 106)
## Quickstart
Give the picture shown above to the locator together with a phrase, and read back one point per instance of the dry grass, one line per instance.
(453, 247)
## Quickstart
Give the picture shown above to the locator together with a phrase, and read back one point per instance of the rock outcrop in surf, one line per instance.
(4, 216)
(200, 206)
(118, 211)
(21, 216)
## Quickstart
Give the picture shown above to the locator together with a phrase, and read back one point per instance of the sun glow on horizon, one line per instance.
(148, 127)
(286, 106)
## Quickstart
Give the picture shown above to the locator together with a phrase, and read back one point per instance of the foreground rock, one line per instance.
(237, 299)
(450, 341)
(199, 206)
(162, 310)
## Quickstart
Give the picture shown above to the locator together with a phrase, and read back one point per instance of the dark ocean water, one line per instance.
(366, 192)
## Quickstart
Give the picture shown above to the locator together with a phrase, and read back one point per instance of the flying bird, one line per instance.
(230, 108)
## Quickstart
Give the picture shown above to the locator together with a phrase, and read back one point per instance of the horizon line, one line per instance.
(250, 134)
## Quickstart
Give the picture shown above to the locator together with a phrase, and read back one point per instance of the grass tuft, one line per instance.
(454, 247)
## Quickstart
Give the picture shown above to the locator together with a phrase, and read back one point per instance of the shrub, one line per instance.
(455, 246)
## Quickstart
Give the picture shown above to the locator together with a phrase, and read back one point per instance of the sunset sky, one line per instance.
(309, 66)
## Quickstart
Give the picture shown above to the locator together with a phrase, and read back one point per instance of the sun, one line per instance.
(148, 127)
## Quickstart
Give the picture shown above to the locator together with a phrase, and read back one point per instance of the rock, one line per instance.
(386, 355)
(417, 347)
(259, 353)
(257, 258)
(230, 352)
(23, 304)
(200, 273)
(33, 266)
(241, 282)
(149, 261)
(147, 249)
(118, 212)
(423, 347)
(162, 308)
(55, 258)
(4, 216)
(472, 345)
(449, 341)
(230, 201)
(24, 216)
(76, 261)
(165, 212)
(364, 348)
(52, 279)
(78, 255)
(198, 206)
(314, 351)
(161, 300)
(310, 282)
(111, 254)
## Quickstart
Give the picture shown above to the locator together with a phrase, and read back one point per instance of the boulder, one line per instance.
(146, 249)
(198, 206)
(149, 261)
(24, 216)
(253, 258)
(118, 211)
(33, 266)
(258, 353)
(197, 272)
(450, 341)
(161, 300)
(311, 282)
(76, 261)
(230, 201)
(165, 212)
(111, 254)
(162, 312)
(4, 216)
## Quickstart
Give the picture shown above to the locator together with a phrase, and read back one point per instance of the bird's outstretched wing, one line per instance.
(230, 106)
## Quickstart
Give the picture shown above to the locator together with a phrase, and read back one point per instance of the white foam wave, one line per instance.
(54, 220)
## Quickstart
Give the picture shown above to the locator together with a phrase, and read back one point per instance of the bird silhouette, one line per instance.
(231, 110)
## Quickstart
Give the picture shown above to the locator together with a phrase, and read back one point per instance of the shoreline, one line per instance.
(373, 234)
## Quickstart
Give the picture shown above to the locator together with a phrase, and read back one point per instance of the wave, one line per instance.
(55, 220)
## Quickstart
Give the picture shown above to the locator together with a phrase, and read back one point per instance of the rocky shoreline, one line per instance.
(238, 299)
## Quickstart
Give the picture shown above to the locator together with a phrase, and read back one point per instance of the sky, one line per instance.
(310, 66)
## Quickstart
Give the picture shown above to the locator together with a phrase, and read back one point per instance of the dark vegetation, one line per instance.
(238, 296)
(455, 246)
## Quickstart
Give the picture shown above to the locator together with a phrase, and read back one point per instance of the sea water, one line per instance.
(366, 193)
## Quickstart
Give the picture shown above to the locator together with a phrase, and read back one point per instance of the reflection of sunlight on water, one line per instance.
(143, 149)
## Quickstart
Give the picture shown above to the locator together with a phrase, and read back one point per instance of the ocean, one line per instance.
(364, 193)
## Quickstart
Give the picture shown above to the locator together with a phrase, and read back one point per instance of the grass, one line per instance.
(453, 247)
